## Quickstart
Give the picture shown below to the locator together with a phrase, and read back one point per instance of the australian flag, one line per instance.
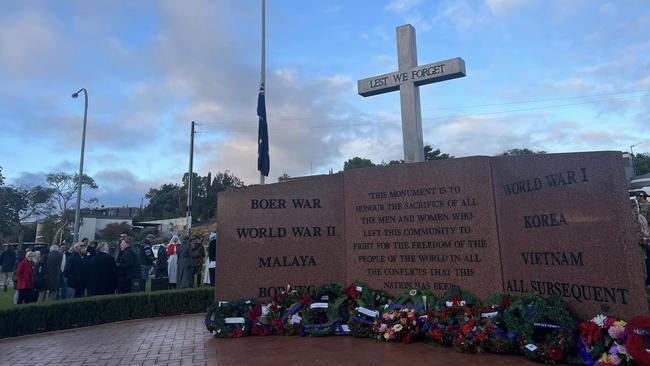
(263, 161)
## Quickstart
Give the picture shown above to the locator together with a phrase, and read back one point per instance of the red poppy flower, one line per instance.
(352, 291)
(505, 302)
(555, 354)
(306, 300)
(436, 334)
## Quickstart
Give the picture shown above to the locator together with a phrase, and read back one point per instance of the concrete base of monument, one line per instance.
(277, 350)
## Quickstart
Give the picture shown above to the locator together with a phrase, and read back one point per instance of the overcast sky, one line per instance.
(558, 76)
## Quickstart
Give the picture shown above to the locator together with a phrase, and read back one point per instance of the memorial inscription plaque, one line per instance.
(552, 223)
(426, 225)
(279, 234)
(565, 229)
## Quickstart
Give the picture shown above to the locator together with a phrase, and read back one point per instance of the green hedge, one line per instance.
(57, 315)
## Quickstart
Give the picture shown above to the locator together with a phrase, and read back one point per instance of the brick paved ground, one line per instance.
(183, 340)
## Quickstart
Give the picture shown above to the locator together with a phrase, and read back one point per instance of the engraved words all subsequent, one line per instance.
(535, 222)
(417, 234)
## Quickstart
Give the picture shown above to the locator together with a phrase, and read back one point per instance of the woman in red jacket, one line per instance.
(25, 277)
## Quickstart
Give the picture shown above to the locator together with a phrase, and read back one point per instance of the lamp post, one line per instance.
(632, 157)
(81, 165)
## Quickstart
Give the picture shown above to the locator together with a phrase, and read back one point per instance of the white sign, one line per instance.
(234, 320)
(368, 312)
(319, 305)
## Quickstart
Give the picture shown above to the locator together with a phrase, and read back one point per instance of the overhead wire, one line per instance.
(621, 96)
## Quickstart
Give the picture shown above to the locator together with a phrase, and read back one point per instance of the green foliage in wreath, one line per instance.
(544, 328)
(458, 297)
(326, 293)
(215, 318)
(499, 338)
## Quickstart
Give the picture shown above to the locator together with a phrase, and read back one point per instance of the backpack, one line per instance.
(148, 252)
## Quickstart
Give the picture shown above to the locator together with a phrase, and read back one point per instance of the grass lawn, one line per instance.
(6, 298)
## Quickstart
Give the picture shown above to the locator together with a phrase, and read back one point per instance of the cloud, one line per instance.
(120, 187)
(402, 5)
(460, 13)
(30, 44)
(503, 7)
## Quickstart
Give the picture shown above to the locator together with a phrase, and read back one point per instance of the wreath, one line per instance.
(499, 338)
(453, 323)
(544, 327)
(357, 309)
(326, 293)
(319, 319)
(229, 319)
(285, 311)
(637, 331)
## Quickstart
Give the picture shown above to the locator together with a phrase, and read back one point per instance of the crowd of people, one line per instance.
(91, 269)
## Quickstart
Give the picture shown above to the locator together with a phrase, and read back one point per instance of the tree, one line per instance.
(357, 162)
(517, 151)
(112, 231)
(431, 154)
(64, 186)
(164, 203)
(170, 200)
(20, 203)
(641, 163)
(284, 177)
(2, 179)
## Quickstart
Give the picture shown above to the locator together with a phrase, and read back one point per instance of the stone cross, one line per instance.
(407, 80)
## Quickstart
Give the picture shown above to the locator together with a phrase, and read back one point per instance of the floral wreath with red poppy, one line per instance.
(543, 327)
(229, 319)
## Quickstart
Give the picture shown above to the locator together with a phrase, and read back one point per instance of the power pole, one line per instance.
(189, 183)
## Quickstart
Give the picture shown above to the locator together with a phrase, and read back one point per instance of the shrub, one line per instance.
(50, 316)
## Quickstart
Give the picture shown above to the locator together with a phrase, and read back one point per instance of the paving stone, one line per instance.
(182, 340)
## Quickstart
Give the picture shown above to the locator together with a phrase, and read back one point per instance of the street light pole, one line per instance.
(81, 165)
(632, 157)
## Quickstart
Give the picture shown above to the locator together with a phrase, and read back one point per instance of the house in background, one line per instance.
(93, 220)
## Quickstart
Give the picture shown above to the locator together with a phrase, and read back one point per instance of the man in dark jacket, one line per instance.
(53, 271)
(161, 262)
(128, 268)
(76, 269)
(146, 258)
(8, 263)
(102, 276)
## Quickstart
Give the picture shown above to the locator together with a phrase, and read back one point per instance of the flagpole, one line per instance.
(263, 66)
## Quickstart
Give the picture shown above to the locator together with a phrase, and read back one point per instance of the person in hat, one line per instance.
(184, 265)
